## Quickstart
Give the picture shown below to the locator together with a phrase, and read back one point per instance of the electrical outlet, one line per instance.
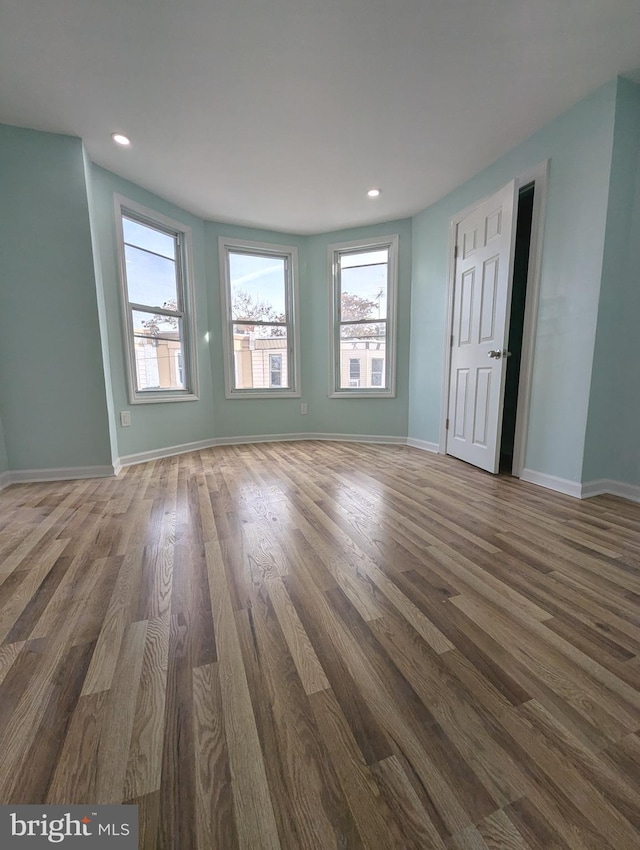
(125, 418)
(303, 408)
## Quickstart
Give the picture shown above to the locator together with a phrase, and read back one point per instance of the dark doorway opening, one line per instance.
(516, 324)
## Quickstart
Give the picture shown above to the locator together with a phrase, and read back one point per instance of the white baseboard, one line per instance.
(64, 473)
(596, 488)
(552, 482)
(5, 479)
(423, 445)
(356, 438)
(262, 438)
(615, 488)
(169, 451)
(583, 491)
(184, 448)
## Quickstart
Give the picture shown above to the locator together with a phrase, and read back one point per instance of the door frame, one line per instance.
(538, 175)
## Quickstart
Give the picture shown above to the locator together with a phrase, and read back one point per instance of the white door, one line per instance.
(481, 300)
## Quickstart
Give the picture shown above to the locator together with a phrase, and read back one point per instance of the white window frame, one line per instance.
(262, 249)
(357, 246)
(186, 305)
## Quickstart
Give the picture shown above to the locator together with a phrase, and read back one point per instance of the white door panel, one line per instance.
(481, 301)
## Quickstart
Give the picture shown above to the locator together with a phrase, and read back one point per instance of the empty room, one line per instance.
(319, 424)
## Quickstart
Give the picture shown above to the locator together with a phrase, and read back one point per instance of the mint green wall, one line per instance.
(627, 458)
(611, 449)
(4, 459)
(579, 145)
(102, 310)
(52, 391)
(153, 426)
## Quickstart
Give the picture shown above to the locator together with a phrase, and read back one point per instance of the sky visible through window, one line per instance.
(364, 275)
(260, 277)
(151, 268)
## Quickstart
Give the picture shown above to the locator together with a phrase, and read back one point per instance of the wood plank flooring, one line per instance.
(318, 645)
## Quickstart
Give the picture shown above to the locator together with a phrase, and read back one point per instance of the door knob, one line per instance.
(496, 354)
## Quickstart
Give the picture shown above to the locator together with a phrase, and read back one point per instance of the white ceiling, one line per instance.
(282, 113)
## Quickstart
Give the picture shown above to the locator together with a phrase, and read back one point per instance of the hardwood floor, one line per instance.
(321, 645)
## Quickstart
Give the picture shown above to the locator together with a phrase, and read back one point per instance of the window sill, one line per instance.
(362, 394)
(262, 394)
(162, 398)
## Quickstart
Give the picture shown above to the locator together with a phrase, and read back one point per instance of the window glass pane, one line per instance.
(275, 370)
(151, 280)
(154, 325)
(373, 331)
(260, 355)
(258, 287)
(377, 371)
(363, 292)
(364, 258)
(149, 238)
(159, 352)
(362, 355)
(354, 372)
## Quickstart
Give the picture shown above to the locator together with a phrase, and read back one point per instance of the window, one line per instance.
(275, 370)
(364, 280)
(377, 371)
(259, 298)
(354, 372)
(157, 305)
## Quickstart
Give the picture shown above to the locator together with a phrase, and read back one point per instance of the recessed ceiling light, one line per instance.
(120, 139)
(373, 193)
